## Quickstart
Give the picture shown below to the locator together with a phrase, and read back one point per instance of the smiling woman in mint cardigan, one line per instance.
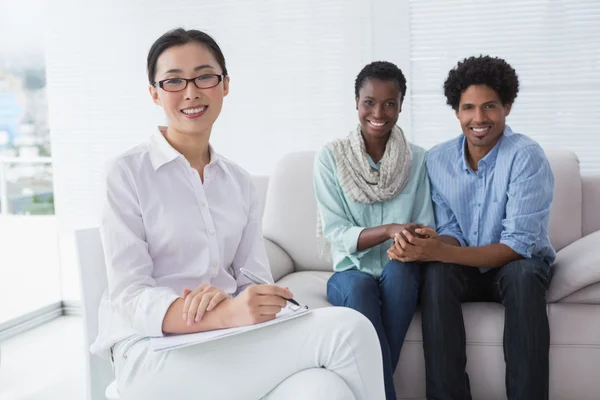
(369, 187)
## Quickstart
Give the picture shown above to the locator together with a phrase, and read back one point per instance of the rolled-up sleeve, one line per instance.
(251, 253)
(338, 228)
(132, 289)
(530, 193)
(445, 220)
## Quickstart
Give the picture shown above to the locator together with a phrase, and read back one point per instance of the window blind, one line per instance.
(554, 45)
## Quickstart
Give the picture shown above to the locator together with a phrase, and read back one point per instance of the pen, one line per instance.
(259, 281)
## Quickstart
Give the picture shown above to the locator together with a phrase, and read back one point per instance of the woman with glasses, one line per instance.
(179, 223)
(371, 187)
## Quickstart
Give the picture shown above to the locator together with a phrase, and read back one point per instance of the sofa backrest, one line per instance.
(566, 213)
(290, 211)
(591, 204)
(290, 215)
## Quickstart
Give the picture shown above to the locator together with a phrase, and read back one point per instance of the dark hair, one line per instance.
(493, 72)
(178, 37)
(384, 71)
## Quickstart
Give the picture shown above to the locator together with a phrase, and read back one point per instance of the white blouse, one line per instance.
(164, 230)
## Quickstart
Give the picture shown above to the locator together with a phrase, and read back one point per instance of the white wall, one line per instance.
(30, 276)
(292, 67)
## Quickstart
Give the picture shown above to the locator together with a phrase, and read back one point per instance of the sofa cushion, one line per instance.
(574, 324)
(574, 351)
(575, 343)
(588, 295)
(576, 266)
(565, 214)
(484, 321)
(308, 287)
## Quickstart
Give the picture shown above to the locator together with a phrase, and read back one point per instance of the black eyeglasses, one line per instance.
(205, 81)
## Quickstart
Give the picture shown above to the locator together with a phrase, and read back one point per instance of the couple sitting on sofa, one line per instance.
(490, 194)
(180, 221)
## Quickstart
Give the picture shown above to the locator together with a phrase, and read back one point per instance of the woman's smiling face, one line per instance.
(379, 103)
(191, 110)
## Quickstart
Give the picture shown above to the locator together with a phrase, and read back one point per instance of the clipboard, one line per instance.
(158, 344)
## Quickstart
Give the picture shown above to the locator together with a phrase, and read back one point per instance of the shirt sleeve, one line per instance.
(423, 207)
(338, 228)
(530, 192)
(133, 292)
(445, 219)
(251, 253)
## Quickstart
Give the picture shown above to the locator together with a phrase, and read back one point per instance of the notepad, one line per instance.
(178, 341)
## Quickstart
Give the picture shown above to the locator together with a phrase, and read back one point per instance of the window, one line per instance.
(25, 164)
(28, 234)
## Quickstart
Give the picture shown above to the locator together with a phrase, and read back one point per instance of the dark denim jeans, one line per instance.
(521, 287)
(389, 302)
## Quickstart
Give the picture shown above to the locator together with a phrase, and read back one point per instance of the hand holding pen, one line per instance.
(259, 281)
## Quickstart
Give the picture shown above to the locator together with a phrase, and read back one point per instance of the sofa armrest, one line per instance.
(576, 266)
(281, 264)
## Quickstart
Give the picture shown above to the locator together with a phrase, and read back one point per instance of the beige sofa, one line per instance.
(574, 295)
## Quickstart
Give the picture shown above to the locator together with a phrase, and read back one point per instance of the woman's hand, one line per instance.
(408, 248)
(200, 300)
(256, 304)
(395, 229)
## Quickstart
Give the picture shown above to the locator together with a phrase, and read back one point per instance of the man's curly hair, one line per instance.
(384, 71)
(493, 72)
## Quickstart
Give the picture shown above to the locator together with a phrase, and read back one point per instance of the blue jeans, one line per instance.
(389, 302)
(521, 287)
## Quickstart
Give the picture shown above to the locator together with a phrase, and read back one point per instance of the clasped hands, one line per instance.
(413, 242)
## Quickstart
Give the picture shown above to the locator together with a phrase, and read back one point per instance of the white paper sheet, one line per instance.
(177, 341)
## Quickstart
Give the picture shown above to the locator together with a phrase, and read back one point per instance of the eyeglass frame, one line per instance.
(160, 84)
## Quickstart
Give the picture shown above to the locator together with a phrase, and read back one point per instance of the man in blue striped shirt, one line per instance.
(492, 191)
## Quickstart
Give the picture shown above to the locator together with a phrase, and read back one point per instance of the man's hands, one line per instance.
(421, 245)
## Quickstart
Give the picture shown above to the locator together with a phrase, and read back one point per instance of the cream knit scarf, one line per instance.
(359, 181)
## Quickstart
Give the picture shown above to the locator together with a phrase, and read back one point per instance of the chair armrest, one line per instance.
(280, 262)
(576, 266)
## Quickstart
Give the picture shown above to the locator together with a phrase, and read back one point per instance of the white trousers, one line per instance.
(331, 353)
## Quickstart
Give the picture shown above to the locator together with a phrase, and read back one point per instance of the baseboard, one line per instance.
(72, 308)
(38, 317)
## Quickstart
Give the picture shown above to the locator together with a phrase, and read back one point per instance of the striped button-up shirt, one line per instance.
(507, 200)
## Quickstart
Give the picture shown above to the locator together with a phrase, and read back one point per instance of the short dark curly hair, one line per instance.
(384, 71)
(493, 72)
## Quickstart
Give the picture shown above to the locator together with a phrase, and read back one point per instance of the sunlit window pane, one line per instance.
(29, 189)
